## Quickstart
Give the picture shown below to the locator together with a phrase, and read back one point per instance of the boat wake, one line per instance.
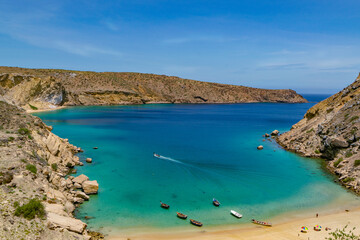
(170, 159)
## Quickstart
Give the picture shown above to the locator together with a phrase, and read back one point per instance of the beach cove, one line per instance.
(212, 153)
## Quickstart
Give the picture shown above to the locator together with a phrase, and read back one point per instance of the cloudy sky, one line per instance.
(309, 46)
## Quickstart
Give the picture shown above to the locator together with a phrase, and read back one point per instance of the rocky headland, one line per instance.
(52, 88)
(37, 196)
(330, 130)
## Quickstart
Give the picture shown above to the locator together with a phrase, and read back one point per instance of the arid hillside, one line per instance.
(50, 88)
(330, 130)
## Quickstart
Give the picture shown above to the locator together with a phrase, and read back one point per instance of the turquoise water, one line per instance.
(213, 148)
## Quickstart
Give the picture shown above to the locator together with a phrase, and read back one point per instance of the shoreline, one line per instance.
(285, 229)
(45, 110)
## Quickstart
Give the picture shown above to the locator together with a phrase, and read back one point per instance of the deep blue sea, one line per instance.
(211, 151)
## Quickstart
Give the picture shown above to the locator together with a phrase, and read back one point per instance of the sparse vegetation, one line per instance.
(30, 210)
(11, 139)
(54, 166)
(343, 234)
(357, 163)
(348, 154)
(354, 118)
(31, 168)
(337, 162)
(23, 131)
(16, 204)
(329, 110)
(317, 151)
(348, 179)
(309, 131)
(33, 107)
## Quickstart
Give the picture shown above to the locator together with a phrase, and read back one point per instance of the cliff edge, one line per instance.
(330, 130)
(51, 88)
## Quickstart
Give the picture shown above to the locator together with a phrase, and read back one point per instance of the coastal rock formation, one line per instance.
(33, 165)
(49, 88)
(330, 130)
(90, 187)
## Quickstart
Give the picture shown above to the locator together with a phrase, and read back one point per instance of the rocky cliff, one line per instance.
(47, 88)
(330, 130)
(34, 164)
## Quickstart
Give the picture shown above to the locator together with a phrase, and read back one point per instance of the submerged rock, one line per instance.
(260, 147)
(89, 160)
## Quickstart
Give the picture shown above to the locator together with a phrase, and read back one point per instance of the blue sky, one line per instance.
(308, 46)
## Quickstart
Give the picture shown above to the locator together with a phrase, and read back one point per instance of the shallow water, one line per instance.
(210, 151)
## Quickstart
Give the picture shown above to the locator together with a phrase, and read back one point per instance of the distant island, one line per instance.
(52, 88)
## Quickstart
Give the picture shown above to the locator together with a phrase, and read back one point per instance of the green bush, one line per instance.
(33, 107)
(348, 154)
(356, 163)
(16, 204)
(343, 234)
(317, 151)
(354, 118)
(329, 110)
(30, 210)
(348, 179)
(11, 138)
(54, 166)
(31, 168)
(309, 131)
(336, 164)
(23, 131)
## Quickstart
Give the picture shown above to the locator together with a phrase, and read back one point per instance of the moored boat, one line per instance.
(236, 214)
(196, 223)
(181, 215)
(267, 224)
(216, 202)
(163, 205)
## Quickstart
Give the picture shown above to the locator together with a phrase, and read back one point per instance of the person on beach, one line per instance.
(317, 215)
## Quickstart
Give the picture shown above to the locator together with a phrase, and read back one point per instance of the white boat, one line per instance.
(236, 214)
(157, 155)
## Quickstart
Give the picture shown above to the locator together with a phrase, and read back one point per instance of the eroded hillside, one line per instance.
(330, 130)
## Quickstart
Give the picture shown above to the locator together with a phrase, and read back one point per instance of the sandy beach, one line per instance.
(45, 110)
(284, 230)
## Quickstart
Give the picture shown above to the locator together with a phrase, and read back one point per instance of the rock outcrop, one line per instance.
(48, 88)
(330, 130)
(34, 164)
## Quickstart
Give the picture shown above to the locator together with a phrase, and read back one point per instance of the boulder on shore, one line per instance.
(80, 179)
(54, 220)
(90, 187)
(267, 135)
(275, 133)
(260, 147)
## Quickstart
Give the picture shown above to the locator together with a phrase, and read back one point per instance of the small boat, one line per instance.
(157, 155)
(181, 215)
(216, 202)
(163, 205)
(261, 223)
(196, 223)
(236, 214)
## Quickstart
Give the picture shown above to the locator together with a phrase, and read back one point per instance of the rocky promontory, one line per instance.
(330, 130)
(37, 196)
(52, 88)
